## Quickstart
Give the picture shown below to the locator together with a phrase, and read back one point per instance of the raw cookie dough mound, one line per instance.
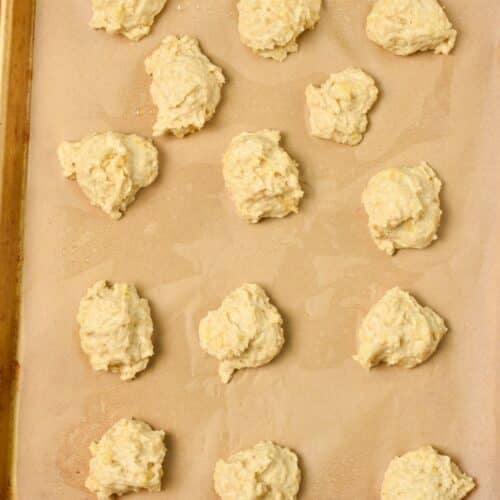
(271, 27)
(264, 472)
(131, 18)
(127, 458)
(398, 331)
(260, 175)
(425, 474)
(407, 26)
(245, 332)
(403, 207)
(110, 168)
(186, 86)
(338, 108)
(116, 329)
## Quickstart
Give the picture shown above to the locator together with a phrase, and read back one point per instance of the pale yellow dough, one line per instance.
(186, 86)
(110, 168)
(128, 457)
(407, 26)
(398, 331)
(261, 176)
(338, 108)
(244, 332)
(403, 207)
(264, 472)
(131, 18)
(116, 329)
(424, 474)
(271, 27)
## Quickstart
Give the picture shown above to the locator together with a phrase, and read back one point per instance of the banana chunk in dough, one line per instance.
(398, 331)
(264, 472)
(186, 86)
(425, 474)
(271, 27)
(339, 107)
(128, 457)
(403, 207)
(116, 329)
(110, 168)
(407, 26)
(131, 18)
(245, 332)
(261, 176)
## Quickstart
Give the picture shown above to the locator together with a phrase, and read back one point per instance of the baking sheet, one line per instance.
(184, 247)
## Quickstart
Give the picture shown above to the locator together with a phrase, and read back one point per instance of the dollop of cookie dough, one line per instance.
(407, 26)
(264, 472)
(271, 27)
(339, 107)
(131, 18)
(398, 331)
(245, 332)
(261, 176)
(403, 207)
(186, 86)
(424, 474)
(128, 457)
(116, 329)
(110, 168)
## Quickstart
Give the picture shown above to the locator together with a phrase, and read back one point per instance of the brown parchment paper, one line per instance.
(184, 247)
